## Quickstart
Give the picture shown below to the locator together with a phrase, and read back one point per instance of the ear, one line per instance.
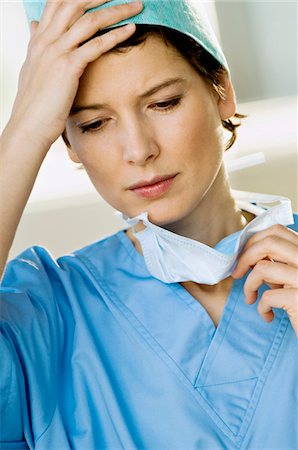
(227, 104)
(72, 155)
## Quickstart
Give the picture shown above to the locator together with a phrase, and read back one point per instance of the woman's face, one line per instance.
(148, 131)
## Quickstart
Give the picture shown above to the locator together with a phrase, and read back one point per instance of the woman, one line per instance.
(143, 340)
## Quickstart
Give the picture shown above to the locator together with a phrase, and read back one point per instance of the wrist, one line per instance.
(22, 137)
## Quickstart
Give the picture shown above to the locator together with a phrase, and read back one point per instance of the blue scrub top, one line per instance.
(97, 354)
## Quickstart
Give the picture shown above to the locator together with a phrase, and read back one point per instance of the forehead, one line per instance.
(133, 70)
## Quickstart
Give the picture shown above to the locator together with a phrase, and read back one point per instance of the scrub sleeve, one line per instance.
(97, 354)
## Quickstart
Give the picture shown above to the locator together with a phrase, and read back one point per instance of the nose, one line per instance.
(139, 143)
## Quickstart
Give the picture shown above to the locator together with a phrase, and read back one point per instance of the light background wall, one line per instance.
(260, 42)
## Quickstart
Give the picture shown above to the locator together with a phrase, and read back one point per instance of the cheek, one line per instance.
(198, 122)
(101, 164)
(198, 134)
(106, 181)
(203, 149)
(103, 173)
(96, 153)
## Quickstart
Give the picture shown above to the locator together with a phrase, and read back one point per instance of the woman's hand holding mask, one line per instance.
(272, 255)
(56, 60)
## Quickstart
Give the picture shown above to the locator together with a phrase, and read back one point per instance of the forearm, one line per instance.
(20, 161)
(45, 98)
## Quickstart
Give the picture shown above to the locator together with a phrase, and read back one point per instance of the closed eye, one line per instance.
(166, 105)
(94, 126)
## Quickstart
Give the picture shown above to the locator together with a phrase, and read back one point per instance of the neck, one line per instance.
(216, 216)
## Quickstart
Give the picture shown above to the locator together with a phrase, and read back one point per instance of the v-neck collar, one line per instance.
(227, 365)
(224, 368)
(181, 324)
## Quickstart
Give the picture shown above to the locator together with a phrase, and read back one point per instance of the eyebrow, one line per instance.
(96, 106)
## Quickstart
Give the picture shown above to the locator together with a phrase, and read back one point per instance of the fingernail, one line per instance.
(135, 5)
(129, 26)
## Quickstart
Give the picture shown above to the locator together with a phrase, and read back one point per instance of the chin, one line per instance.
(164, 211)
(165, 215)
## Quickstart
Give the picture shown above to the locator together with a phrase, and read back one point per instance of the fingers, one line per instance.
(271, 247)
(286, 299)
(269, 272)
(68, 43)
(68, 11)
(276, 230)
(49, 9)
(272, 254)
(67, 20)
(90, 23)
(101, 44)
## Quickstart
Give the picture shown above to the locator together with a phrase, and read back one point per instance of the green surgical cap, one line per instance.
(186, 16)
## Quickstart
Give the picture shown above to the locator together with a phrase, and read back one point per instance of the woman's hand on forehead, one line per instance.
(59, 50)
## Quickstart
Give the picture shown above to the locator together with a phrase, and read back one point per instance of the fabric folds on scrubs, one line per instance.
(98, 354)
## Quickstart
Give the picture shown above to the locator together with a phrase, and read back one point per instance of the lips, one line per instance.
(153, 188)
(155, 180)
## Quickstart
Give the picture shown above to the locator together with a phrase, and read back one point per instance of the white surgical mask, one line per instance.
(172, 258)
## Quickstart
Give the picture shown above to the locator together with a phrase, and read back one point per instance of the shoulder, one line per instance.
(41, 297)
(37, 265)
(37, 286)
(32, 264)
(35, 281)
(27, 296)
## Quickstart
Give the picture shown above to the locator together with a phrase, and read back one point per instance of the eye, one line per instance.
(94, 126)
(166, 105)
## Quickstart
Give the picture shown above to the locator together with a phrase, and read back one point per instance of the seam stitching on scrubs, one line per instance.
(227, 382)
(207, 365)
(130, 249)
(138, 325)
(173, 286)
(280, 333)
(216, 413)
(261, 379)
(156, 347)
